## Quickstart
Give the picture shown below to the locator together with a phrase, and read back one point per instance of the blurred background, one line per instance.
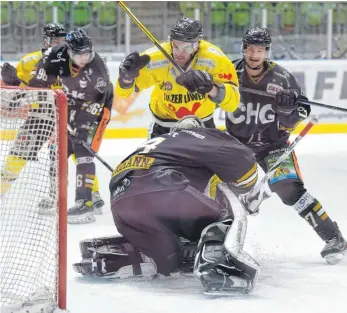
(301, 30)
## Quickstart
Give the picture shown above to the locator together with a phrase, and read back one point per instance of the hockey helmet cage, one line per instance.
(187, 122)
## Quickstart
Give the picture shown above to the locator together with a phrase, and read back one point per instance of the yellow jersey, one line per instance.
(26, 66)
(171, 101)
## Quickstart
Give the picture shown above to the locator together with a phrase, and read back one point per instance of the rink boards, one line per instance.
(324, 81)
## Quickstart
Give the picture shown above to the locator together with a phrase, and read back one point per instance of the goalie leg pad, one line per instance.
(218, 271)
(114, 257)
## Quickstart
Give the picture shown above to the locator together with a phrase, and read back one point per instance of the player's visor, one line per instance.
(82, 59)
(253, 50)
(53, 41)
(183, 47)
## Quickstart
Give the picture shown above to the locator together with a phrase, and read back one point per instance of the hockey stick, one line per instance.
(288, 151)
(266, 94)
(169, 57)
(86, 146)
(149, 35)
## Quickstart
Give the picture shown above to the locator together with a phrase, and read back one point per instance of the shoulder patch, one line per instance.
(215, 51)
(205, 62)
(158, 64)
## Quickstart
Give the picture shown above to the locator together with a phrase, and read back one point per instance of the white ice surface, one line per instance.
(294, 278)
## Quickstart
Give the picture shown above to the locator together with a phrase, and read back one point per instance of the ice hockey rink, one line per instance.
(293, 278)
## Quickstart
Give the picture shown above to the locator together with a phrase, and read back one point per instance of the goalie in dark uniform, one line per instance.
(161, 192)
(85, 80)
(264, 125)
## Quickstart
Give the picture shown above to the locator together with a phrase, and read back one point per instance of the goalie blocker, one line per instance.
(158, 197)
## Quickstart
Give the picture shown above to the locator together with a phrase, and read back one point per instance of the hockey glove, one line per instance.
(9, 74)
(193, 80)
(129, 68)
(286, 101)
(252, 201)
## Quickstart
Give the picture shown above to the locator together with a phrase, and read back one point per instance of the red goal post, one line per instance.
(33, 165)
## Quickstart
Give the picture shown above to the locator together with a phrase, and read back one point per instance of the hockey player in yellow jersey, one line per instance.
(52, 34)
(209, 79)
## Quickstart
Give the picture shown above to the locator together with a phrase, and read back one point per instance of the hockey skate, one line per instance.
(217, 282)
(98, 203)
(81, 213)
(335, 249)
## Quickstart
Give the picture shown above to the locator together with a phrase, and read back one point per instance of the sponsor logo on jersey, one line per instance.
(252, 113)
(88, 73)
(190, 132)
(121, 187)
(184, 111)
(273, 88)
(205, 62)
(167, 86)
(173, 72)
(83, 83)
(84, 160)
(158, 64)
(59, 58)
(183, 98)
(100, 85)
(225, 76)
(136, 162)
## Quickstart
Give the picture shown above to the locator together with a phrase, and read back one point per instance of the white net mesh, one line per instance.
(29, 194)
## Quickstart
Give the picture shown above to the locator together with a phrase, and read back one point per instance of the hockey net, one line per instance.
(33, 164)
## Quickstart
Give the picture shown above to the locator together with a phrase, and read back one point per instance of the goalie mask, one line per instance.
(80, 47)
(53, 34)
(256, 47)
(187, 122)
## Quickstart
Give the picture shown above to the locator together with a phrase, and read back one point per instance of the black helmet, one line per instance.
(187, 122)
(79, 42)
(186, 30)
(53, 30)
(53, 34)
(257, 36)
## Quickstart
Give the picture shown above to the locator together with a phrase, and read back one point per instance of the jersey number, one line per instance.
(42, 74)
(150, 145)
(94, 108)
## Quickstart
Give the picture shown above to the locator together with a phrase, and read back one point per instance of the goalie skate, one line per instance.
(229, 285)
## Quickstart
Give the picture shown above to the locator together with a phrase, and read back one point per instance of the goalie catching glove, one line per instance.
(196, 81)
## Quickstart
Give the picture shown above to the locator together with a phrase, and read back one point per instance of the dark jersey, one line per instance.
(88, 90)
(254, 122)
(199, 154)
